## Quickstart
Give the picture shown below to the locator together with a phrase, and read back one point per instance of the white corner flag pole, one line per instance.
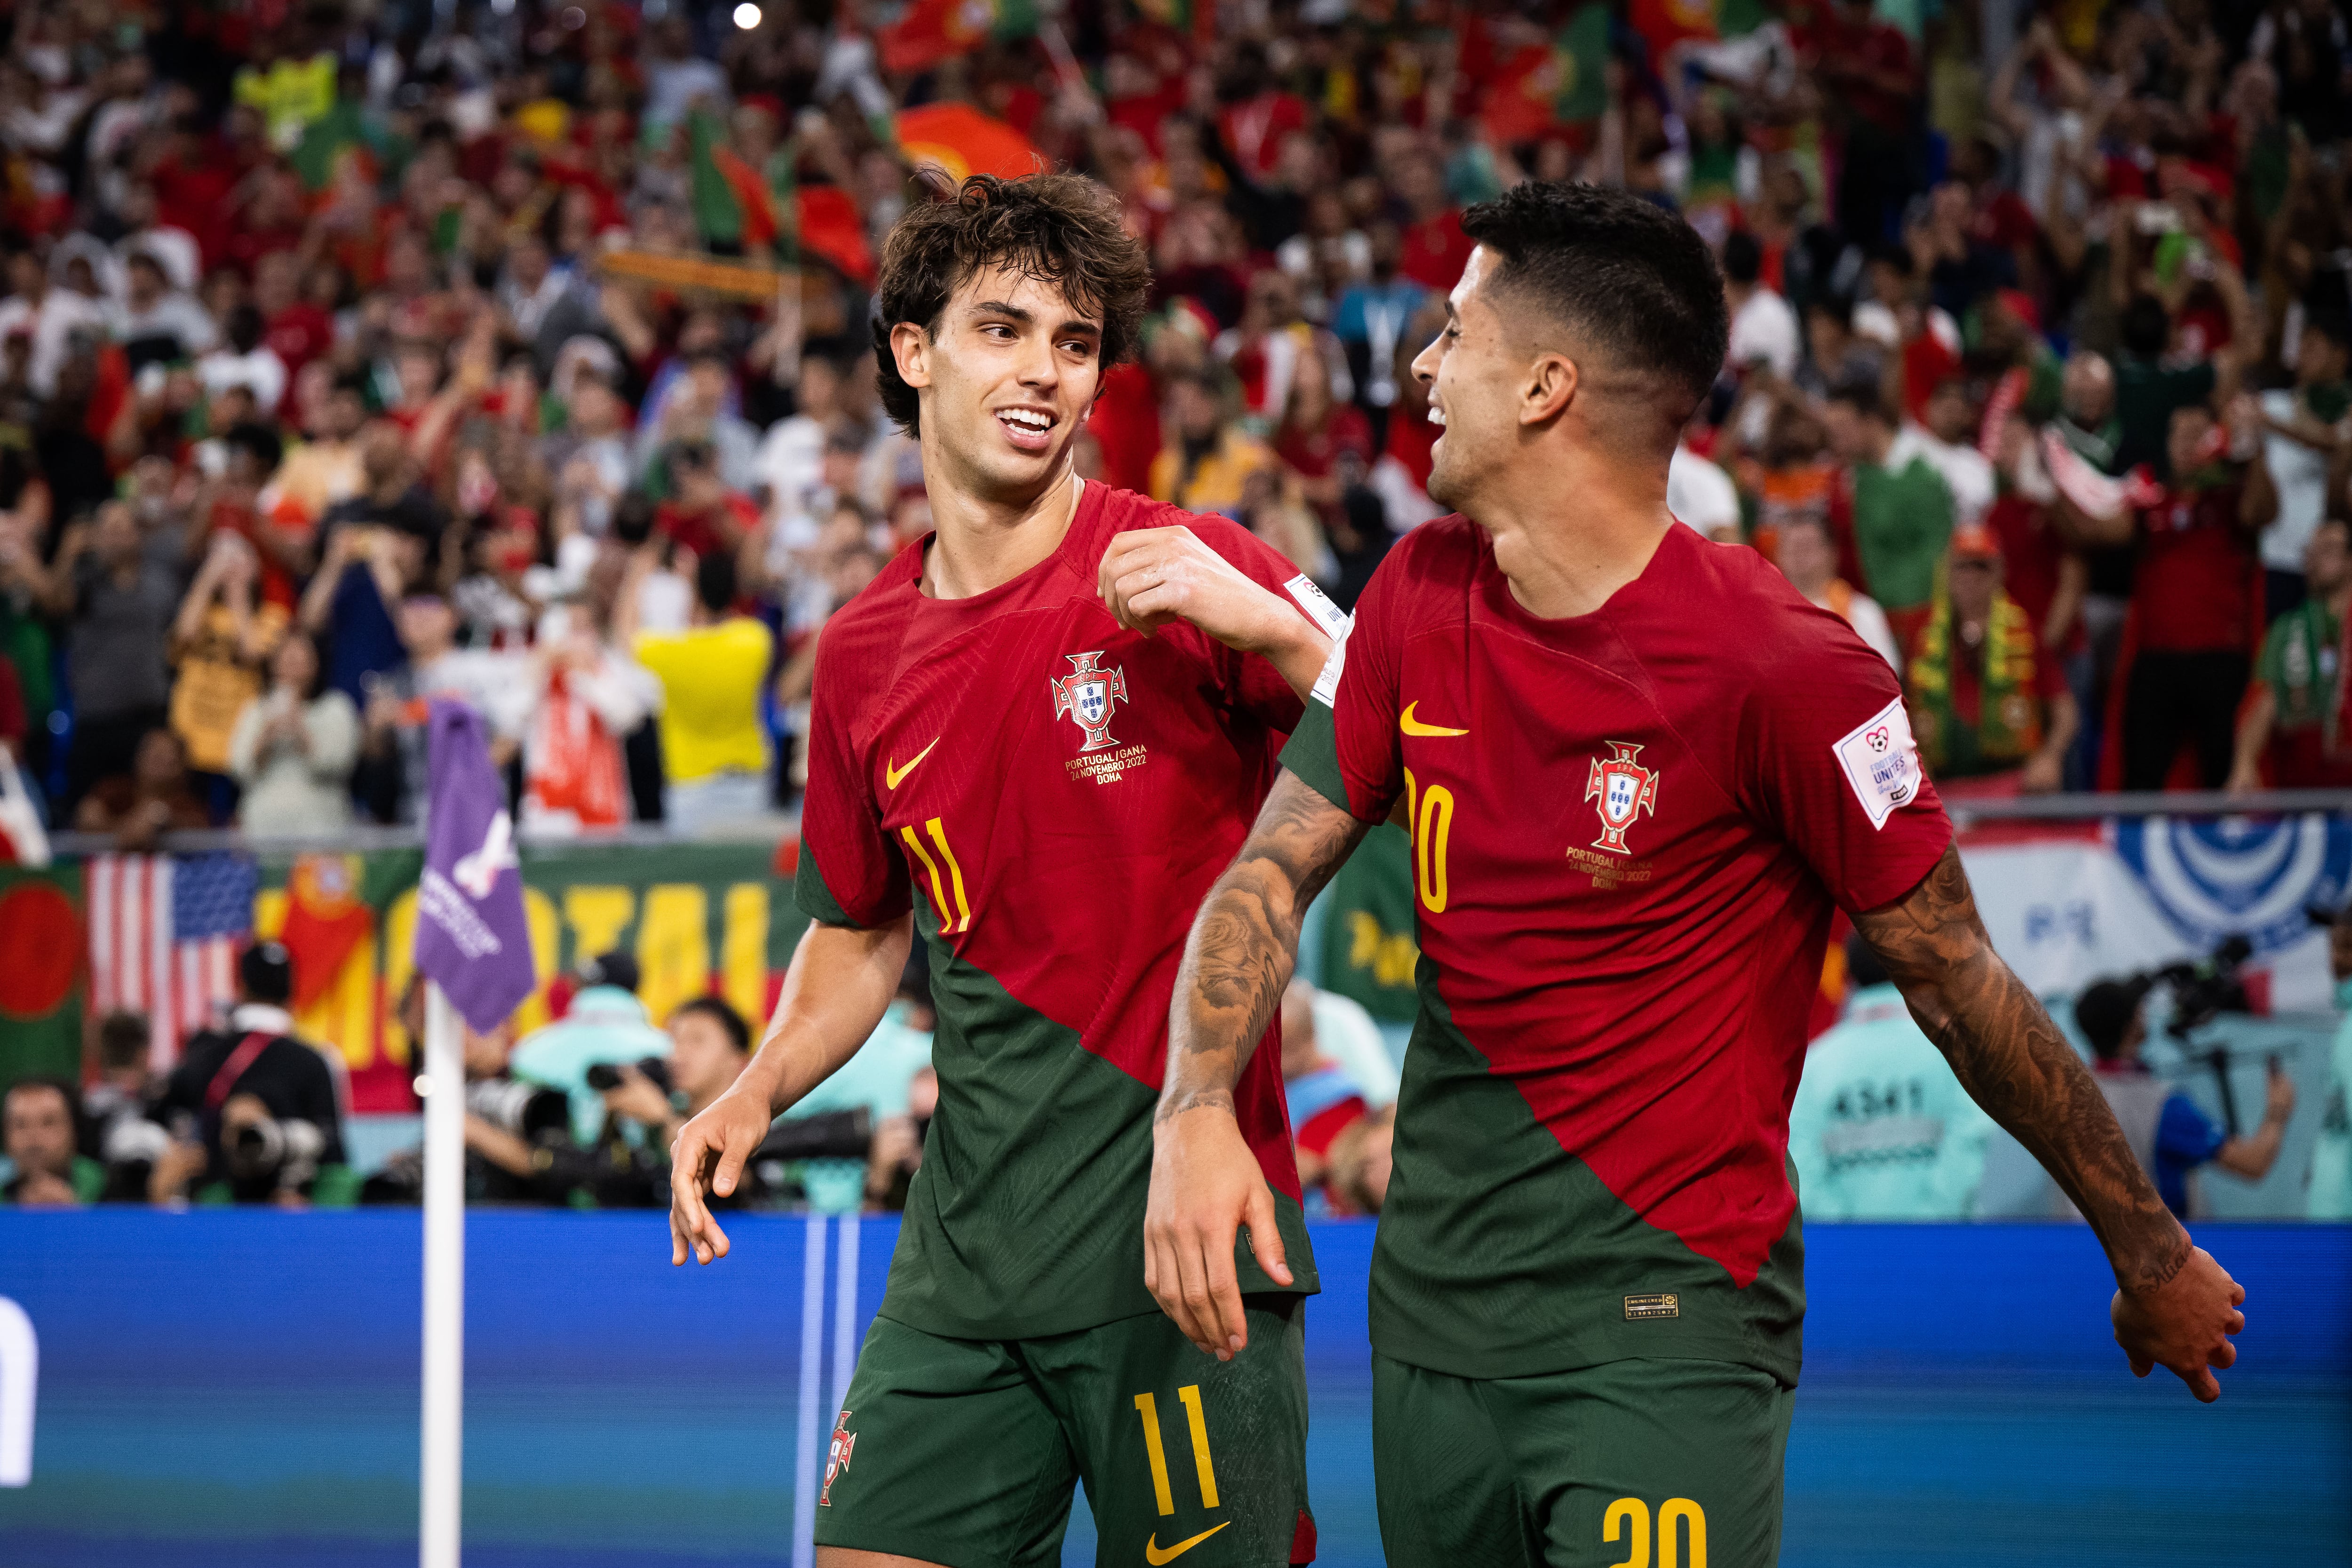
(444, 1283)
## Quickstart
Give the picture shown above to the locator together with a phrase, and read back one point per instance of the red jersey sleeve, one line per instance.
(850, 874)
(1830, 763)
(1346, 744)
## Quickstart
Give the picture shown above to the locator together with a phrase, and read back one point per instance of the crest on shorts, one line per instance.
(1087, 694)
(1625, 789)
(837, 1458)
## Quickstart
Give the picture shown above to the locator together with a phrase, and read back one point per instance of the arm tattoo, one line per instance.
(2013, 1061)
(1245, 943)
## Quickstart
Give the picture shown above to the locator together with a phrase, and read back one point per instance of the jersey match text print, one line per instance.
(1630, 1516)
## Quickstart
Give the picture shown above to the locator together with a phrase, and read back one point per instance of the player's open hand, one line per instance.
(708, 1156)
(1205, 1184)
(1150, 576)
(2184, 1323)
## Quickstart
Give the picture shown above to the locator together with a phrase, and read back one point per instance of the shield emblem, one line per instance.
(1093, 702)
(1624, 791)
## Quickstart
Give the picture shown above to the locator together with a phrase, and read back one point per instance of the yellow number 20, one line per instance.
(959, 919)
(1630, 1516)
(1148, 1408)
(1431, 811)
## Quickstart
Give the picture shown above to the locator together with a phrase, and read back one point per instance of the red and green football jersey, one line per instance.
(1629, 831)
(1054, 795)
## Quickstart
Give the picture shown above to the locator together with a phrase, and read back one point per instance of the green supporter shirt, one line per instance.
(1902, 523)
(2300, 664)
(2331, 1160)
(2146, 396)
(1881, 1129)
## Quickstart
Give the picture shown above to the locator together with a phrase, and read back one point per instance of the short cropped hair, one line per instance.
(721, 1013)
(1632, 278)
(1063, 229)
(1864, 398)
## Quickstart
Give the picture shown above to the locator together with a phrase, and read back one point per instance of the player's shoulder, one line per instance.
(1749, 615)
(864, 636)
(1127, 512)
(1427, 574)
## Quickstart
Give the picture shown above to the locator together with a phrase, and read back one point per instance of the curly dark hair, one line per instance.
(1062, 229)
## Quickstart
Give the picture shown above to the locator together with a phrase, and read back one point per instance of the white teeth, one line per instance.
(1437, 416)
(1026, 418)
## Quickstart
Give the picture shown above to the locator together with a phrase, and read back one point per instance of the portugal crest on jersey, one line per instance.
(1625, 789)
(837, 1458)
(1088, 695)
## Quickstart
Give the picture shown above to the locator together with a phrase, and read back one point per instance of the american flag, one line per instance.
(164, 932)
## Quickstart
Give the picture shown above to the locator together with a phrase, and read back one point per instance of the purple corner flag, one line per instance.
(471, 937)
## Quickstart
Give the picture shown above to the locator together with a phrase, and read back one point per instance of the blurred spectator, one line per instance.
(1763, 328)
(2304, 435)
(2330, 1196)
(575, 767)
(714, 747)
(116, 586)
(293, 749)
(2290, 733)
(1701, 494)
(1902, 509)
(606, 1026)
(648, 1101)
(1985, 698)
(39, 1116)
(221, 640)
(254, 1107)
(1880, 1128)
(155, 796)
(1361, 1159)
(518, 1135)
(1324, 1101)
(118, 1109)
(1207, 462)
(2168, 1134)
(1808, 558)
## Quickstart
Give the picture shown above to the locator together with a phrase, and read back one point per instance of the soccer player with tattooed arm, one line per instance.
(1035, 738)
(1641, 773)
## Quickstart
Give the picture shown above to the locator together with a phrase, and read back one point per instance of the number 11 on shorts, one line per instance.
(1147, 1407)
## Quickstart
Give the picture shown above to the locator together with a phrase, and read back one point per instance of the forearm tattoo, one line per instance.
(1245, 943)
(2013, 1061)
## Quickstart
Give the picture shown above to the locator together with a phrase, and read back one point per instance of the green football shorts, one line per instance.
(964, 1452)
(1631, 1464)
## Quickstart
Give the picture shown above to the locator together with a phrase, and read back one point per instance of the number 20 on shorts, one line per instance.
(1147, 1407)
(1628, 1520)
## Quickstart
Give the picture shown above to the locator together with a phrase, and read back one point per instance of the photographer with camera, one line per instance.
(2166, 1131)
(649, 1100)
(252, 1108)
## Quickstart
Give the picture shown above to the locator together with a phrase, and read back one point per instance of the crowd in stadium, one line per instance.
(320, 394)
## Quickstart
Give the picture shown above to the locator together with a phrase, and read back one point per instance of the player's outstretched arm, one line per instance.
(1150, 576)
(2176, 1307)
(1206, 1182)
(840, 984)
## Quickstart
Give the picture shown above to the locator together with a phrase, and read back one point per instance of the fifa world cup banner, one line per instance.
(157, 935)
(2066, 905)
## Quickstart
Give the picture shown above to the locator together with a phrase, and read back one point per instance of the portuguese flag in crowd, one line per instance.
(733, 203)
(935, 30)
(1539, 86)
(959, 139)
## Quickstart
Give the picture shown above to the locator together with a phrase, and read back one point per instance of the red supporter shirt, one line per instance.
(2193, 590)
(699, 531)
(2030, 555)
(1054, 796)
(1436, 252)
(1631, 832)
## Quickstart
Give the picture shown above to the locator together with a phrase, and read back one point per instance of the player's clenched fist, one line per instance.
(1205, 1185)
(2184, 1324)
(708, 1156)
(1150, 576)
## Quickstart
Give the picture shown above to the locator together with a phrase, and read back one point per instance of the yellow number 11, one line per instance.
(1149, 1407)
(960, 920)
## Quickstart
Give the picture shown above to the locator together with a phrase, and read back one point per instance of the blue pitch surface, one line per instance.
(232, 1388)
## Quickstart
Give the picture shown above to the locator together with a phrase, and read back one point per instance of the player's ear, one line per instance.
(1551, 386)
(911, 347)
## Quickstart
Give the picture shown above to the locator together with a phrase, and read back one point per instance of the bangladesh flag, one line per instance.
(41, 931)
(935, 30)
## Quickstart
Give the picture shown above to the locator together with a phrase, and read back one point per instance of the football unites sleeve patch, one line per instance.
(1880, 761)
(1317, 606)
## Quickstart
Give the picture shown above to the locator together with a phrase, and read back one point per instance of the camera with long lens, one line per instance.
(827, 1135)
(264, 1149)
(525, 1110)
(2203, 989)
(603, 1075)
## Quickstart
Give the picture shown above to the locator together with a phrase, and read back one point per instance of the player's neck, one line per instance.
(1569, 540)
(984, 544)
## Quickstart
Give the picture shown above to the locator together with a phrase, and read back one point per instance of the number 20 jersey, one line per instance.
(1629, 830)
(1054, 796)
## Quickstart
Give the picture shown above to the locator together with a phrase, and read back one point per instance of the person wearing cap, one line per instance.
(1985, 698)
(254, 1070)
(2169, 1134)
(1881, 1128)
(2330, 1194)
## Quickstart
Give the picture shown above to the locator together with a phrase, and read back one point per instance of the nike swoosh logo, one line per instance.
(891, 775)
(1413, 726)
(1156, 1554)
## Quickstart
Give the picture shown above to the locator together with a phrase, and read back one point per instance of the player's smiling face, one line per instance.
(1471, 377)
(1005, 381)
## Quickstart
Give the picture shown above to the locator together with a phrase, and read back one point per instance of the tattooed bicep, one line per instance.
(1934, 922)
(1301, 834)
